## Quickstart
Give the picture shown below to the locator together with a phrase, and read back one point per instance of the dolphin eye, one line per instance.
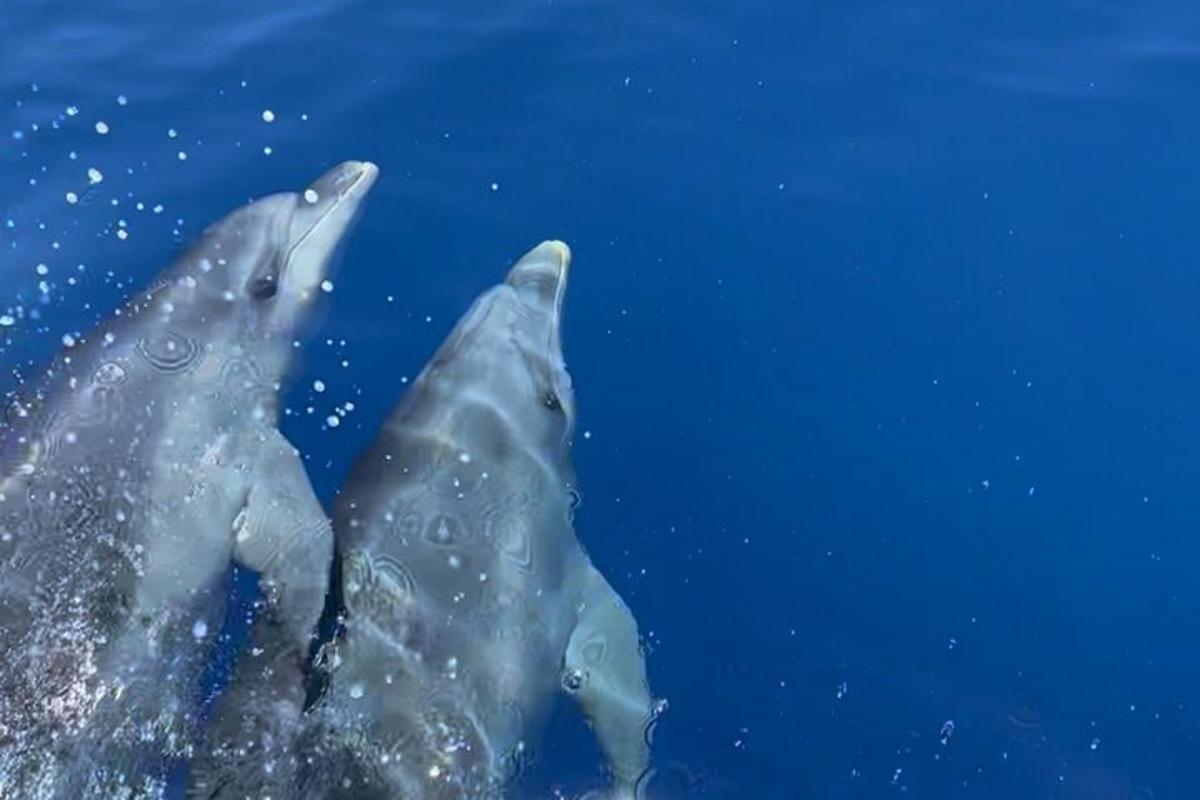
(550, 400)
(573, 680)
(264, 288)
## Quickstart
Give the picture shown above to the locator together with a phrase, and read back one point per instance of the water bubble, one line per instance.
(200, 629)
(268, 115)
(94, 175)
(101, 127)
(310, 196)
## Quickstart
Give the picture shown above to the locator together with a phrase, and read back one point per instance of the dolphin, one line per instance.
(469, 603)
(147, 459)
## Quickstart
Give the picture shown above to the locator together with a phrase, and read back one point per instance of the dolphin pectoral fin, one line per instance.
(250, 750)
(606, 672)
(284, 535)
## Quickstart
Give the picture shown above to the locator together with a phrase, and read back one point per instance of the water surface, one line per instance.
(882, 321)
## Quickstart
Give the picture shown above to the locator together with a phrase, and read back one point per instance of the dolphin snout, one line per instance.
(319, 219)
(346, 179)
(552, 256)
(541, 274)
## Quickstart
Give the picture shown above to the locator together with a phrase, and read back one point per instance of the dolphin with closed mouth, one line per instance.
(469, 603)
(149, 458)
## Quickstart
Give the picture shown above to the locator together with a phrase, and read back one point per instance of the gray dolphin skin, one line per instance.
(468, 601)
(145, 461)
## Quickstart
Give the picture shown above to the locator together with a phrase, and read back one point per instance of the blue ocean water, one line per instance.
(882, 322)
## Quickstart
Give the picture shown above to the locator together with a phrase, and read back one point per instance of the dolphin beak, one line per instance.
(325, 212)
(540, 277)
(350, 180)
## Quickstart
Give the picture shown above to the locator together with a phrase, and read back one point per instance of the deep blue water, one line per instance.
(883, 323)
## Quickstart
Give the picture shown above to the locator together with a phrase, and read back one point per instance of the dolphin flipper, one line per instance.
(282, 533)
(606, 672)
